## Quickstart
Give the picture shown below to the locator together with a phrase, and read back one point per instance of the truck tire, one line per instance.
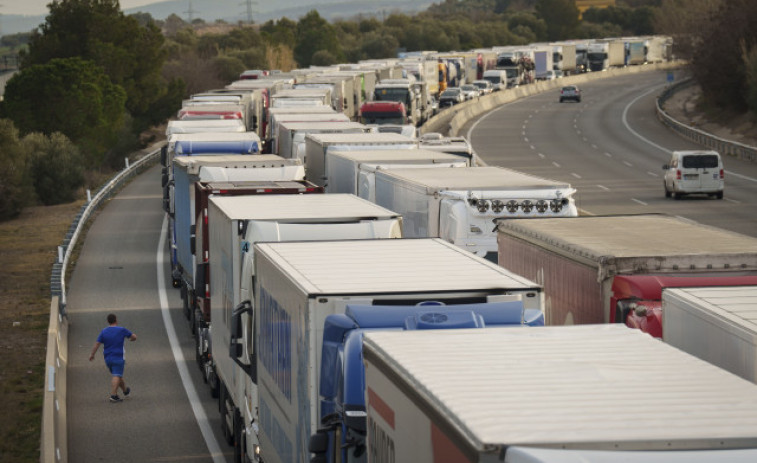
(184, 291)
(228, 433)
(239, 441)
(198, 355)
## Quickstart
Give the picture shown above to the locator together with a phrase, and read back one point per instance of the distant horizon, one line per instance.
(39, 7)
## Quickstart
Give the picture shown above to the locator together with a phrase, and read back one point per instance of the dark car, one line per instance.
(570, 92)
(451, 97)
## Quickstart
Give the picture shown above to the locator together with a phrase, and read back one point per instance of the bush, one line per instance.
(56, 167)
(14, 190)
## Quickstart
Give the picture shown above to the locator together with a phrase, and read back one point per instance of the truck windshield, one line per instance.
(597, 56)
(393, 94)
(382, 118)
(512, 72)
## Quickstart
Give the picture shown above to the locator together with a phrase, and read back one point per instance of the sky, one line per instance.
(39, 7)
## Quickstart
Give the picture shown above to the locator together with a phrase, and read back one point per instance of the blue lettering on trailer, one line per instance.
(271, 428)
(275, 342)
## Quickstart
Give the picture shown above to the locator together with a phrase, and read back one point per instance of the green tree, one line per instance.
(560, 16)
(71, 96)
(14, 183)
(97, 30)
(55, 167)
(316, 34)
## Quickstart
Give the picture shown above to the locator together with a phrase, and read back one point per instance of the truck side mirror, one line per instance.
(235, 347)
(164, 178)
(193, 238)
(164, 155)
(319, 445)
(254, 122)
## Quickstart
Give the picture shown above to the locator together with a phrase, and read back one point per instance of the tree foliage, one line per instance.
(56, 169)
(71, 96)
(14, 189)
(560, 16)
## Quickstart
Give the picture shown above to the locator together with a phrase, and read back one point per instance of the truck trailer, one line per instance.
(355, 171)
(317, 144)
(295, 293)
(290, 141)
(236, 223)
(460, 205)
(612, 268)
(549, 395)
(716, 324)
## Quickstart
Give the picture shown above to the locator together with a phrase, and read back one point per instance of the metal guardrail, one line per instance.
(54, 448)
(721, 145)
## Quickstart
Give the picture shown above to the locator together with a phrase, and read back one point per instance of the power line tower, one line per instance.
(190, 13)
(250, 10)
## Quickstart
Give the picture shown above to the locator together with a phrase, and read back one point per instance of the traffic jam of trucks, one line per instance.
(348, 282)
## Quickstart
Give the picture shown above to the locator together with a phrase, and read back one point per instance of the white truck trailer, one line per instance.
(298, 113)
(317, 144)
(355, 171)
(236, 223)
(549, 395)
(299, 284)
(460, 205)
(716, 324)
(290, 141)
(602, 269)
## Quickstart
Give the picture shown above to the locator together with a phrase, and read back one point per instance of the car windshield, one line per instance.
(469, 87)
(450, 92)
(700, 161)
(569, 89)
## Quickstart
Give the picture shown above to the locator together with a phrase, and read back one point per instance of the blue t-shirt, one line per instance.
(112, 338)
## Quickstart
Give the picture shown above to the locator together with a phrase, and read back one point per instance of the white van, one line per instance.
(698, 172)
(497, 78)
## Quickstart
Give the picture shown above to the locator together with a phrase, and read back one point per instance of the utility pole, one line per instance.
(190, 13)
(249, 5)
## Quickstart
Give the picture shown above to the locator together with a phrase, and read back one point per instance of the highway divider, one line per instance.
(54, 435)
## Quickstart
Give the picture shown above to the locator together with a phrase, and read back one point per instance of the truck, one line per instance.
(294, 295)
(715, 324)
(542, 62)
(290, 141)
(636, 52)
(413, 94)
(206, 111)
(207, 144)
(605, 54)
(341, 436)
(317, 144)
(302, 97)
(550, 394)
(498, 78)
(564, 58)
(277, 118)
(189, 126)
(354, 171)
(582, 58)
(383, 112)
(518, 64)
(345, 93)
(611, 269)
(460, 205)
(180, 206)
(236, 224)
(459, 146)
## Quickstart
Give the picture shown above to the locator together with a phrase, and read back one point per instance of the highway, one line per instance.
(610, 147)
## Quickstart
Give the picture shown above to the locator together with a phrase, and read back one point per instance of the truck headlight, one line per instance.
(482, 205)
(542, 206)
(526, 206)
(512, 206)
(497, 206)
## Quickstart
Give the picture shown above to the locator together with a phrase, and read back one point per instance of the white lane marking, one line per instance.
(541, 155)
(532, 147)
(575, 175)
(628, 163)
(732, 201)
(608, 155)
(555, 164)
(665, 150)
(594, 146)
(638, 201)
(525, 138)
(652, 174)
(603, 187)
(181, 362)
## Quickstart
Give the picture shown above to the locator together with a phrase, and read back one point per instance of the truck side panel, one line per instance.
(183, 219)
(419, 211)
(572, 294)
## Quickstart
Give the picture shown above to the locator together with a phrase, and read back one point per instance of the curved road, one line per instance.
(611, 147)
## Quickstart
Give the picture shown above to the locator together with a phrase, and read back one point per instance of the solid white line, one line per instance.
(640, 202)
(743, 177)
(575, 175)
(181, 363)
(603, 187)
(732, 201)
(652, 174)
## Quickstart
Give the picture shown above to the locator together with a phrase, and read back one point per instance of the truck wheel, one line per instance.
(228, 435)
(719, 195)
(193, 321)
(199, 356)
(215, 387)
(176, 283)
(185, 300)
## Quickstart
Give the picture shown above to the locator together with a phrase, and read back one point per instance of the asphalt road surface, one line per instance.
(611, 148)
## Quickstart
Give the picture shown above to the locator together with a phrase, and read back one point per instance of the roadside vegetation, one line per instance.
(92, 82)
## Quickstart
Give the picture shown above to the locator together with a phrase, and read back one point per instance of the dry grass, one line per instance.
(28, 249)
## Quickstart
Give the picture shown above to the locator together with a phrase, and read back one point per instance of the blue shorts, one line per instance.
(116, 366)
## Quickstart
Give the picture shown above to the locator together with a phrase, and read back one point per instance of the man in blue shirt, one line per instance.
(113, 337)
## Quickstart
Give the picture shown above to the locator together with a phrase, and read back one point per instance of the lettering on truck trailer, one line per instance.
(381, 443)
(274, 344)
(274, 431)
